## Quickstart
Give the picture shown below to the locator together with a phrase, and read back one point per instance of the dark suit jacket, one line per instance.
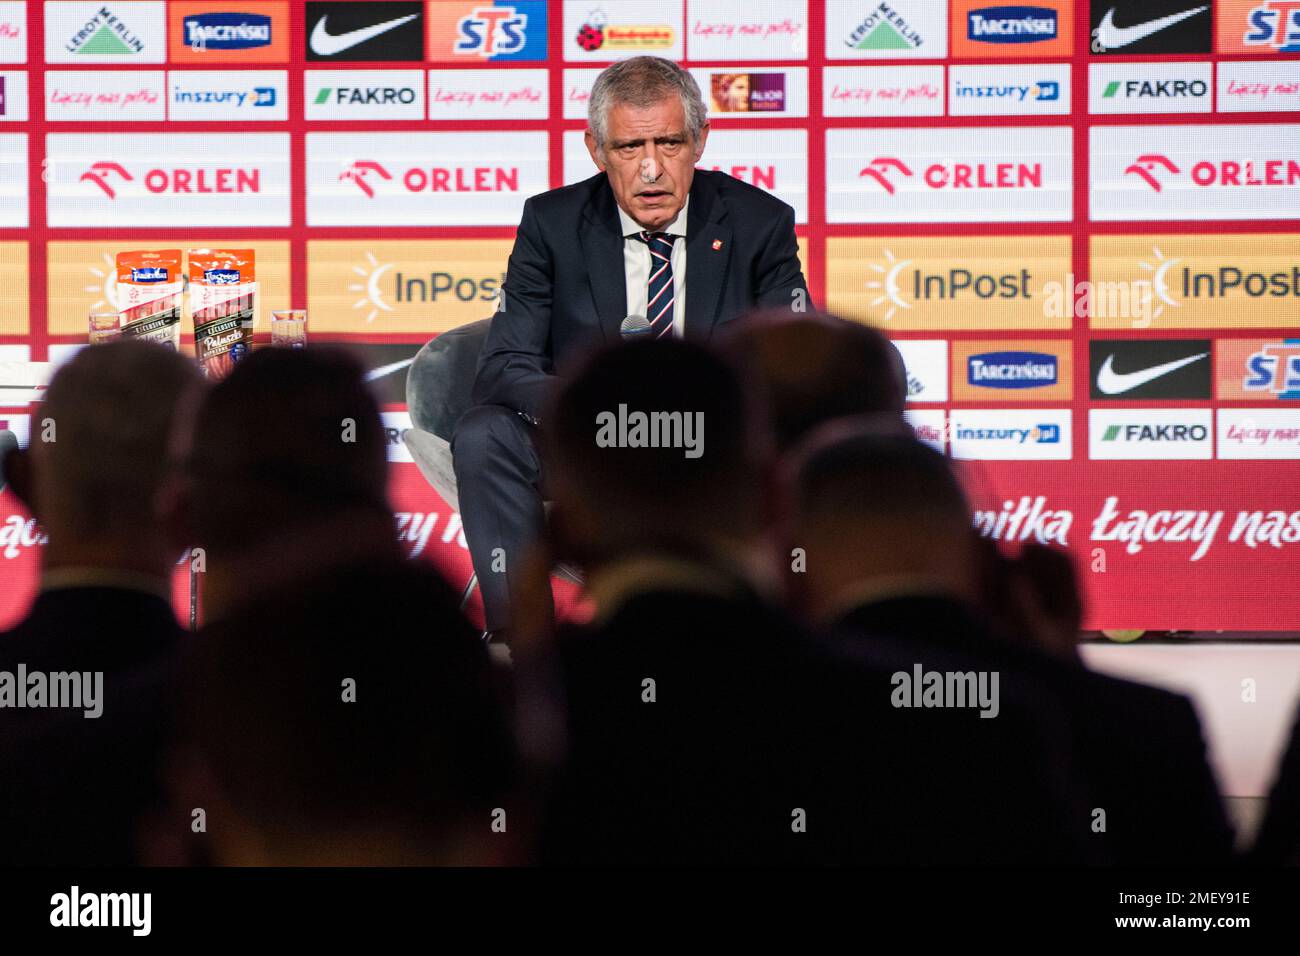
(1278, 840)
(565, 289)
(753, 721)
(75, 787)
(1138, 749)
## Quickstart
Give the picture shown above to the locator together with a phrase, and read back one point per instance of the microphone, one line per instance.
(8, 443)
(633, 327)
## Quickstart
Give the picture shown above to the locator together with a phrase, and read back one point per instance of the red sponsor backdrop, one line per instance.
(1178, 543)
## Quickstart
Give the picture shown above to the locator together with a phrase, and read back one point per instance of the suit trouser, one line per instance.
(499, 482)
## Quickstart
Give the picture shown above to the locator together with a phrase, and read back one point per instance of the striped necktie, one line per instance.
(659, 290)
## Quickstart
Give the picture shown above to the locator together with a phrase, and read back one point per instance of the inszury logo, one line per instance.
(886, 170)
(1156, 169)
(1152, 27)
(1044, 433)
(367, 175)
(365, 31)
(1011, 24)
(226, 31)
(1044, 90)
(1012, 369)
(1128, 369)
(175, 181)
(1274, 27)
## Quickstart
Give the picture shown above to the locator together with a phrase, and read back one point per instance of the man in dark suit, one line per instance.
(1138, 750)
(76, 785)
(649, 235)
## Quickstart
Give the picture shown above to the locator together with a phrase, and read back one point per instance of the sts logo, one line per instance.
(497, 30)
(1274, 27)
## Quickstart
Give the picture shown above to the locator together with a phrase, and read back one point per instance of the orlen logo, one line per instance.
(227, 31)
(1011, 24)
(1155, 169)
(1274, 24)
(102, 173)
(177, 180)
(886, 169)
(435, 179)
(491, 31)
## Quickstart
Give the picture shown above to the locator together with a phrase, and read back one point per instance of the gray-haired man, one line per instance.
(648, 235)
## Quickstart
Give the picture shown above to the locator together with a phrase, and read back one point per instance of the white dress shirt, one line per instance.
(636, 266)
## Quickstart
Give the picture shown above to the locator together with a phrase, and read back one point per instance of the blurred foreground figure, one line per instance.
(1278, 841)
(347, 720)
(704, 726)
(812, 369)
(288, 475)
(95, 478)
(1138, 750)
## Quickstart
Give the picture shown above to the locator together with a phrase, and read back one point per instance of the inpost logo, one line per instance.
(1203, 281)
(393, 286)
(947, 283)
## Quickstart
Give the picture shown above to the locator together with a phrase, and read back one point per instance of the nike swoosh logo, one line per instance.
(1109, 36)
(324, 43)
(1111, 382)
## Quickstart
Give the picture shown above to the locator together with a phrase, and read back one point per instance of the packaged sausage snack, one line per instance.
(223, 305)
(149, 285)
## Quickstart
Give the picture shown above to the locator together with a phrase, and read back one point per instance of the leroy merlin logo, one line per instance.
(105, 33)
(884, 29)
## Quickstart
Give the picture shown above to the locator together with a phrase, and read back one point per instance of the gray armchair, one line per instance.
(439, 385)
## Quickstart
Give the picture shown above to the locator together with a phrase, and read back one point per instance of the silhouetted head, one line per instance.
(98, 455)
(291, 436)
(812, 369)
(871, 506)
(654, 446)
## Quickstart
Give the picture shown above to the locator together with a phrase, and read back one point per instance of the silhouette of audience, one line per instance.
(774, 568)
(95, 480)
(287, 474)
(349, 719)
(920, 581)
